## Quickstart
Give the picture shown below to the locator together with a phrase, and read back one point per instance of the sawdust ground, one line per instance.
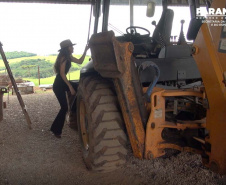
(36, 157)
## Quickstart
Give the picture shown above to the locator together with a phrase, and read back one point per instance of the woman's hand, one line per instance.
(73, 92)
(79, 61)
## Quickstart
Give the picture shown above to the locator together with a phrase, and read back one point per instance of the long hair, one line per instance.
(66, 55)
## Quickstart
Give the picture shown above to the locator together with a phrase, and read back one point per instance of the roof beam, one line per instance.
(115, 2)
(50, 1)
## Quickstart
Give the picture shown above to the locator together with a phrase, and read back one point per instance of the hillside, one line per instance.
(27, 68)
(17, 54)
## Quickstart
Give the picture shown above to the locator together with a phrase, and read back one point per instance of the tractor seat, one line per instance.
(193, 28)
(163, 29)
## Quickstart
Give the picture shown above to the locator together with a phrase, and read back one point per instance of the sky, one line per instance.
(39, 28)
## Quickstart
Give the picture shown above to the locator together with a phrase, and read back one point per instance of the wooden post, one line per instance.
(38, 76)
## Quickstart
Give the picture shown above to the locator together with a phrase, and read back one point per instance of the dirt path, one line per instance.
(36, 157)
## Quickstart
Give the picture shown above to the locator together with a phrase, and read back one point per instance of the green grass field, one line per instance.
(51, 59)
(72, 75)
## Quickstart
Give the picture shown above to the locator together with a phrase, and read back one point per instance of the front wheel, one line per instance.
(100, 125)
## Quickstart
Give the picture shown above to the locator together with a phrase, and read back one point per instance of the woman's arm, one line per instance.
(63, 76)
(80, 61)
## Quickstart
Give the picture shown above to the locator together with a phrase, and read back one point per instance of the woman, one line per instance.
(61, 83)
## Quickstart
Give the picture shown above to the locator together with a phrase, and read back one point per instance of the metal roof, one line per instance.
(50, 1)
(116, 2)
(157, 2)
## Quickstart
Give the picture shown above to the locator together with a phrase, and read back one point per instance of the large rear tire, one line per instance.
(100, 125)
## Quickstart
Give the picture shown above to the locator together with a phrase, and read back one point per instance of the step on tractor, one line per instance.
(151, 91)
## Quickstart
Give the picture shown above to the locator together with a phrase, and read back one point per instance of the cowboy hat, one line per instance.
(66, 43)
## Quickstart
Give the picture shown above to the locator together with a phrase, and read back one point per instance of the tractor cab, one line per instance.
(157, 31)
(153, 28)
(148, 37)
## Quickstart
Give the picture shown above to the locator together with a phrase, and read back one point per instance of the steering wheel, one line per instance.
(133, 31)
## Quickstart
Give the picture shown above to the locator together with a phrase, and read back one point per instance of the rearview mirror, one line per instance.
(150, 9)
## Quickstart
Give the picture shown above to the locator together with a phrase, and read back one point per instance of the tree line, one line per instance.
(28, 68)
(18, 54)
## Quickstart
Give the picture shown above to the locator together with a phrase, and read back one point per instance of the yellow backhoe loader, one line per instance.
(153, 91)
